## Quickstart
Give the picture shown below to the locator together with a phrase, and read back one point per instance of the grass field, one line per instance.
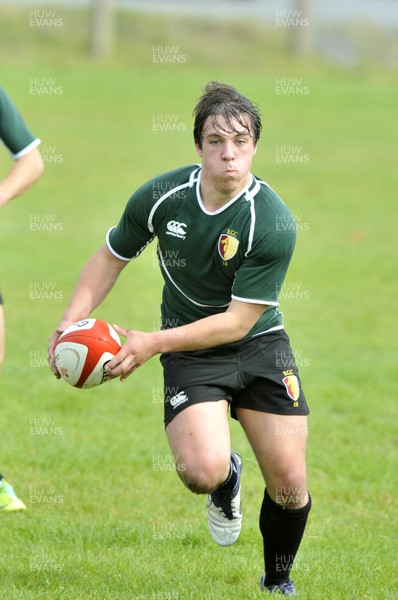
(107, 516)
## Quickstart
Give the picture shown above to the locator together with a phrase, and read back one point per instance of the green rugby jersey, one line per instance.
(240, 251)
(13, 131)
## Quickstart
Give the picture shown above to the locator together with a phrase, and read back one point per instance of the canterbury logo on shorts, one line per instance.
(178, 399)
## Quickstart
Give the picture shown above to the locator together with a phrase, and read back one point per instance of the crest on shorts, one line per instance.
(292, 387)
(227, 246)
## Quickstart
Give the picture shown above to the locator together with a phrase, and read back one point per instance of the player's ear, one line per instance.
(198, 149)
(255, 149)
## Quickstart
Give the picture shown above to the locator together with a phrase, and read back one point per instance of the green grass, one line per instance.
(104, 521)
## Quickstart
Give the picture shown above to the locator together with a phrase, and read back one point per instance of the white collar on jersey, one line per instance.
(247, 192)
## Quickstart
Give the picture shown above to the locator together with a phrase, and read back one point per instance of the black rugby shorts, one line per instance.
(260, 374)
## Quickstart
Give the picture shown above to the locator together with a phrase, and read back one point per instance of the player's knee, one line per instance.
(290, 488)
(203, 477)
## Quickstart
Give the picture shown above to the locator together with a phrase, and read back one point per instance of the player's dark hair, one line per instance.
(223, 100)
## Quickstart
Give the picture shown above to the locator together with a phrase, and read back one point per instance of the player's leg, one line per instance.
(199, 438)
(272, 410)
(279, 444)
(9, 502)
(197, 427)
(200, 441)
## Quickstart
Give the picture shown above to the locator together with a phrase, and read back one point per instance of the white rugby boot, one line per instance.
(224, 509)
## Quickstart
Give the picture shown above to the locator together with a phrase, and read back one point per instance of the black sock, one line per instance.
(282, 530)
(230, 482)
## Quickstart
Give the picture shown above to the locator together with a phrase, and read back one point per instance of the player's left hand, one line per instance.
(52, 342)
(138, 348)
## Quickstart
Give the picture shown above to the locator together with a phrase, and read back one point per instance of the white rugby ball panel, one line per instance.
(84, 325)
(70, 358)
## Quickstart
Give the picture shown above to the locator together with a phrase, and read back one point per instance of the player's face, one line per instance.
(226, 154)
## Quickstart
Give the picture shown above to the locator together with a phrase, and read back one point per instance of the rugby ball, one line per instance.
(83, 350)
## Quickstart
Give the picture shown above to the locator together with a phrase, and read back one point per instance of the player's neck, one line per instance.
(215, 197)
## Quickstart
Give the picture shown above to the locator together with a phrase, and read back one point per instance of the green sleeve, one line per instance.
(132, 234)
(136, 228)
(260, 276)
(13, 130)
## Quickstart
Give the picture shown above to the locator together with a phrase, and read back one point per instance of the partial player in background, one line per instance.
(222, 343)
(27, 168)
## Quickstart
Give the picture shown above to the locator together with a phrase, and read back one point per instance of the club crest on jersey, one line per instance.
(292, 387)
(227, 246)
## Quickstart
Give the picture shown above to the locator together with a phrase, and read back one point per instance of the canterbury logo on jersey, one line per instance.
(176, 229)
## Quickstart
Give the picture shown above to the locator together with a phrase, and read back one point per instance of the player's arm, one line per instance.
(95, 282)
(215, 330)
(25, 171)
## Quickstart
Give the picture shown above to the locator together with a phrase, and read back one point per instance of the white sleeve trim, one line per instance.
(276, 328)
(111, 250)
(254, 301)
(27, 149)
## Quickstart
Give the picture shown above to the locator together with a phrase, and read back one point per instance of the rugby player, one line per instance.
(224, 241)
(27, 168)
